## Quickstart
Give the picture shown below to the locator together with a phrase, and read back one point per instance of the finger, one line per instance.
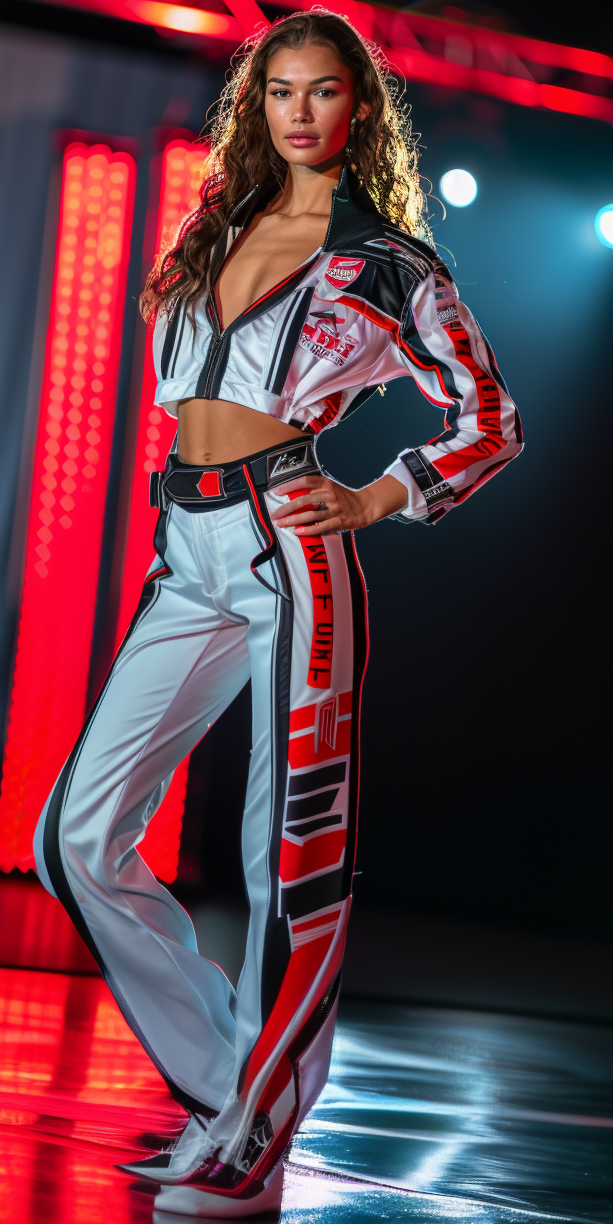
(297, 503)
(304, 516)
(325, 527)
(310, 481)
(286, 514)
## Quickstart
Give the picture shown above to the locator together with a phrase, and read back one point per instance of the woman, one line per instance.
(297, 288)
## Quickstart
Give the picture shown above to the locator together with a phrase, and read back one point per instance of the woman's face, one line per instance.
(309, 104)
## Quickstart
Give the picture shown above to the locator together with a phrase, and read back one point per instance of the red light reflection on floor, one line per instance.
(67, 1052)
(36, 932)
(77, 1094)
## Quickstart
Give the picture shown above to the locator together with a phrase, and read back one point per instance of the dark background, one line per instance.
(485, 779)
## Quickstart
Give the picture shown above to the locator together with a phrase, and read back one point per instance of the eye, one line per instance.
(279, 93)
(327, 93)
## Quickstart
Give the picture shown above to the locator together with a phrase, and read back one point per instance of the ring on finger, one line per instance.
(321, 506)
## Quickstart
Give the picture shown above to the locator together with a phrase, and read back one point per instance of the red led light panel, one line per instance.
(182, 167)
(71, 466)
(181, 176)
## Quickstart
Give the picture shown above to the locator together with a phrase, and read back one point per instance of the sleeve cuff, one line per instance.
(416, 508)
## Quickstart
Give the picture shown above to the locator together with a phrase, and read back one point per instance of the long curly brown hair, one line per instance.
(381, 150)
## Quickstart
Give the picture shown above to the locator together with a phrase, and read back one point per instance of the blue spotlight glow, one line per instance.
(603, 225)
(459, 188)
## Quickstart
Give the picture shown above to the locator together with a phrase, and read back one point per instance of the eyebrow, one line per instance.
(317, 81)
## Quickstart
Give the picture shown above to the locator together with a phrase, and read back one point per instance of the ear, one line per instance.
(363, 111)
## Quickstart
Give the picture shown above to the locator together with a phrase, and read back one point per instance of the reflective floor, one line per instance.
(429, 1114)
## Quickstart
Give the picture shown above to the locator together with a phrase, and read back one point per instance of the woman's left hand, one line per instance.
(324, 506)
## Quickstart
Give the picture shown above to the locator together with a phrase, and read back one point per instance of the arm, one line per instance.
(440, 344)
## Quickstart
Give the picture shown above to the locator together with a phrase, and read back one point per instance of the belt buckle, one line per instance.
(211, 483)
(288, 463)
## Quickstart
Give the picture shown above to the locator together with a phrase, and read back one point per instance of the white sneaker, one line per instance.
(188, 1201)
(182, 1158)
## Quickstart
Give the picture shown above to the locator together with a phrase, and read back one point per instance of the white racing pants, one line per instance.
(255, 1059)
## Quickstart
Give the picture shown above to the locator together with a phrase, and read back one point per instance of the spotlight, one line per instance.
(603, 225)
(458, 187)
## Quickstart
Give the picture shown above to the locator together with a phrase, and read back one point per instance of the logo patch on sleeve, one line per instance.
(342, 270)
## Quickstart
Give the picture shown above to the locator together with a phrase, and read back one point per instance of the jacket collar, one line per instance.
(352, 209)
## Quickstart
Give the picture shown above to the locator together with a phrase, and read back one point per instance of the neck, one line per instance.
(308, 189)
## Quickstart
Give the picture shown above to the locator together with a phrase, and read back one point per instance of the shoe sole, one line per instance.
(188, 1201)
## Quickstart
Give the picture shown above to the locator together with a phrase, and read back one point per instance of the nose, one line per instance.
(303, 112)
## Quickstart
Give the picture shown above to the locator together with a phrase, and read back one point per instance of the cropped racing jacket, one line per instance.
(370, 305)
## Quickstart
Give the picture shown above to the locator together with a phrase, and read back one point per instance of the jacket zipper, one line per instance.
(219, 339)
(213, 355)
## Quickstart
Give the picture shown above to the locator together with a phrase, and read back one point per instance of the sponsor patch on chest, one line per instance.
(342, 270)
(322, 338)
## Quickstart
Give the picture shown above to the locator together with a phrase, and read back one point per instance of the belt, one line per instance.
(212, 486)
(223, 484)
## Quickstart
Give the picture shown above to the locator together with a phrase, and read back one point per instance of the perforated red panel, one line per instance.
(71, 466)
(181, 176)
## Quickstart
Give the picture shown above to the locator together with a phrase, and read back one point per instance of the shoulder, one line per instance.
(415, 259)
(393, 263)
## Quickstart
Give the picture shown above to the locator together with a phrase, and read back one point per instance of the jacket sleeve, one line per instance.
(442, 346)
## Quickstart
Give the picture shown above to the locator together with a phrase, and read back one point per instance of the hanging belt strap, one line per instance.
(188, 484)
(260, 513)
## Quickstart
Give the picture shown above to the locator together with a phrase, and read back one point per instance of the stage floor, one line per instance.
(429, 1114)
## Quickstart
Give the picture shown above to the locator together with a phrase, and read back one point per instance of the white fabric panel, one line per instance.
(209, 627)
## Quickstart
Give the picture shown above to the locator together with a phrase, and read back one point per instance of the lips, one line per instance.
(302, 140)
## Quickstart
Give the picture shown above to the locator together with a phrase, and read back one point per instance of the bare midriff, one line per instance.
(217, 431)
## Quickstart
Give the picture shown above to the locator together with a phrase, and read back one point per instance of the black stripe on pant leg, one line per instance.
(55, 868)
(51, 831)
(315, 1021)
(326, 775)
(300, 900)
(277, 946)
(360, 658)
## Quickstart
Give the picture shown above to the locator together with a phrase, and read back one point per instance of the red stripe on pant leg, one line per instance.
(297, 861)
(305, 963)
(302, 970)
(302, 749)
(304, 717)
(277, 1083)
(316, 954)
(320, 663)
(325, 850)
